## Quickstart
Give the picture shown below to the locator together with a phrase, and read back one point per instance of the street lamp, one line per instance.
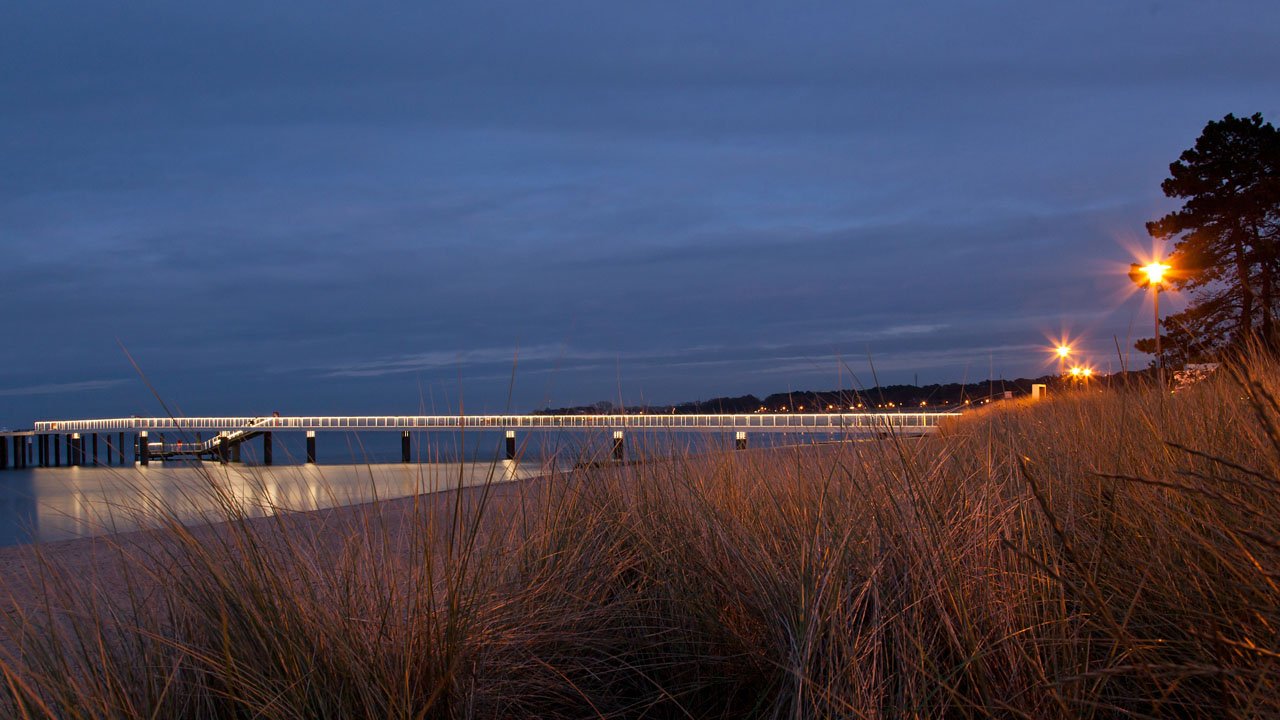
(1150, 275)
(1062, 351)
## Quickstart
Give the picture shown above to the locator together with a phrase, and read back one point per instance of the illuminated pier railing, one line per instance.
(786, 422)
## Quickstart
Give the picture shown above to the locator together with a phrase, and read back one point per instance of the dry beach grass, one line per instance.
(1106, 554)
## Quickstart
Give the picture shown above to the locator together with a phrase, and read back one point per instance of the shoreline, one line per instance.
(55, 504)
(105, 560)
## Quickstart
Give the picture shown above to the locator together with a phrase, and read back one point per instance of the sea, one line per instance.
(60, 503)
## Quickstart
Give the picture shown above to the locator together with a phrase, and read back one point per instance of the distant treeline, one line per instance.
(888, 397)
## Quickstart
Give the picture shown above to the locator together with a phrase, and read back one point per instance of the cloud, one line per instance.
(638, 190)
(542, 357)
(437, 360)
(61, 388)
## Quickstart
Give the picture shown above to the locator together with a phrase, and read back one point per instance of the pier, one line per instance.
(116, 441)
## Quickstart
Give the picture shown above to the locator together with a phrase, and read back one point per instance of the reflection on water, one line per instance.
(43, 504)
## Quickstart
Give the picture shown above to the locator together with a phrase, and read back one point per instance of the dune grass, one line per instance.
(1104, 554)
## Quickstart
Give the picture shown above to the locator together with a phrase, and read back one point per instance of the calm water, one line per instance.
(57, 503)
(43, 504)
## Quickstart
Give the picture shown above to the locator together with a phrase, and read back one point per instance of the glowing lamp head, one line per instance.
(1152, 273)
(1087, 372)
(1076, 372)
(1063, 351)
(1155, 272)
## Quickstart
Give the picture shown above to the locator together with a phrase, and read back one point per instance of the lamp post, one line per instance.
(1150, 275)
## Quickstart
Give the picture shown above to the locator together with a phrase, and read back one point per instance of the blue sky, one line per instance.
(386, 207)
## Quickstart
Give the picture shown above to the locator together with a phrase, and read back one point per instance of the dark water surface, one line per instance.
(57, 503)
(43, 504)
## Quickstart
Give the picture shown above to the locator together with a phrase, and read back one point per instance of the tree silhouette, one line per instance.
(1225, 236)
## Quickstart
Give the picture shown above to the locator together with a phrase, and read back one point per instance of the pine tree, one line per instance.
(1225, 235)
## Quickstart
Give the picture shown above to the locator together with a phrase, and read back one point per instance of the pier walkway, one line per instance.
(42, 444)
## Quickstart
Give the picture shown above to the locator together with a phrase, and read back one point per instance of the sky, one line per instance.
(378, 207)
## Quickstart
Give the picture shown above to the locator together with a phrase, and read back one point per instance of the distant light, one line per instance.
(1063, 350)
(1077, 371)
(1155, 271)
(1088, 372)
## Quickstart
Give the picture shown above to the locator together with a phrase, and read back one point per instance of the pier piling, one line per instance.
(511, 444)
(404, 446)
(311, 446)
(144, 448)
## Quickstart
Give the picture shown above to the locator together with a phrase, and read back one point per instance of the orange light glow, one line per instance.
(1155, 271)
(1063, 351)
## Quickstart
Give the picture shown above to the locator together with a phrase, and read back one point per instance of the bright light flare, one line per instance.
(1080, 372)
(1155, 271)
(1063, 350)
